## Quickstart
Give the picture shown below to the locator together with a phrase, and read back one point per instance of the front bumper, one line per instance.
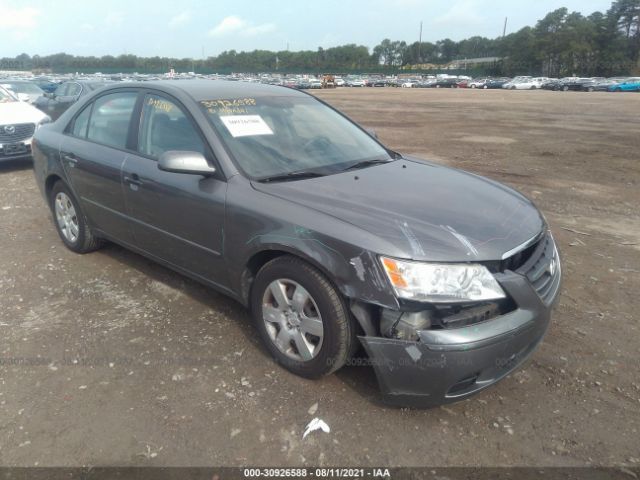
(9, 152)
(449, 365)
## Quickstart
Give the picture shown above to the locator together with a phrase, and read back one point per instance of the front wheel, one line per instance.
(70, 223)
(301, 317)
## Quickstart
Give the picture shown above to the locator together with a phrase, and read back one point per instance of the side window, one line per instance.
(81, 122)
(109, 123)
(73, 90)
(165, 127)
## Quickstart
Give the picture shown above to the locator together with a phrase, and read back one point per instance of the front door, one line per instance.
(176, 217)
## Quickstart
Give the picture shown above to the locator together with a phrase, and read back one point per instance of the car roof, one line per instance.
(215, 89)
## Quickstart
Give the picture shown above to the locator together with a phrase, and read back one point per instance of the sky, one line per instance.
(193, 28)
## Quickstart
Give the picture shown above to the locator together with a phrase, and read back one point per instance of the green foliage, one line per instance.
(562, 43)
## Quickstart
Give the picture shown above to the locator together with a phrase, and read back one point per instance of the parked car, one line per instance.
(25, 90)
(355, 82)
(18, 122)
(526, 83)
(462, 84)
(496, 83)
(445, 83)
(479, 83)
(553, 84)
(46, 84)
(629, 85)
(378, 82)
(603, 85)
(578, 84)
(65, 95)
(445, 278)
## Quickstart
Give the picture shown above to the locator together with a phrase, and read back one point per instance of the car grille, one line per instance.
(543, 269)
(21, 132)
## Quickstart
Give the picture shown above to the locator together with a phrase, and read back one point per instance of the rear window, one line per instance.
(110, 119)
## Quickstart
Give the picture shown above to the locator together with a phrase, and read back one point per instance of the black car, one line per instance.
(579, 84)
(496, 83)
(378, 82)
(445, 83)
(65, 95)
(332, 240)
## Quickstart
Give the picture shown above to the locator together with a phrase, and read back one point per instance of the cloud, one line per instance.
(238, 26)
(114, 19)
(20, 17)
(87, 27)
(180, 19)
(461, 13)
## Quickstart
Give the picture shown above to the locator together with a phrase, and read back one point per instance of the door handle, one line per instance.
(70, 158)
(133, 181)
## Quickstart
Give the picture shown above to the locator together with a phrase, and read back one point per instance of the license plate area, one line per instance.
(14, 148)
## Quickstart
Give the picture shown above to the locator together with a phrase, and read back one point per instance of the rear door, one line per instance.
(92, 153)
(176, 217)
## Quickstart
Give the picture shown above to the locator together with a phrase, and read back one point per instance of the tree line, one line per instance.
(562, 43)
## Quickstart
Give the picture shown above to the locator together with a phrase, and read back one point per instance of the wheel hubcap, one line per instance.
(292, 319)
(66, 217)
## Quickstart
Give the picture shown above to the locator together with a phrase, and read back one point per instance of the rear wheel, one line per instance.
(301, 317)
(70, 223)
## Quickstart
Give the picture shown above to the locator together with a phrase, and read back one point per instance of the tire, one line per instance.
(70, 222)
(336, 339)
(565, 89)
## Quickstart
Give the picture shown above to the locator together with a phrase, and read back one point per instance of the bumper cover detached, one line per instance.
(449, 365)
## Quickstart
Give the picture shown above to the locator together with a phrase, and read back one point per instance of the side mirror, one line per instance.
(372, 132)
(179, 161)
(23, 97)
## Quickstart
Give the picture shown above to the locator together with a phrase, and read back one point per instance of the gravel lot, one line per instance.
(109, 359)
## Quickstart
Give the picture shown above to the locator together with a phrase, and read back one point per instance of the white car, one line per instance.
(18, 123)
(23, 89)
(531, 83)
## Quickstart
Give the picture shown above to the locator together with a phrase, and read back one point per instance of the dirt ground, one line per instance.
(109, 359)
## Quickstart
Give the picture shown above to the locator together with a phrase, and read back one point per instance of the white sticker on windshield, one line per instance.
(246, 125)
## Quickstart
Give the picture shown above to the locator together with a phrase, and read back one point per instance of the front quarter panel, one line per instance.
(257, 222)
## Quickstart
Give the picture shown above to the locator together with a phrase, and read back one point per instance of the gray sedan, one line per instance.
(333, 241)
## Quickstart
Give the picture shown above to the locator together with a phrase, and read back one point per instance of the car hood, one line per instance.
(428, 211)
(19, 112)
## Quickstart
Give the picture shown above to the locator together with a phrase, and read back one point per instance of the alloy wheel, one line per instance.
(292, 319)
(66, 217)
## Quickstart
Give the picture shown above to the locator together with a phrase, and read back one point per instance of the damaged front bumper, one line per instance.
(449, 365)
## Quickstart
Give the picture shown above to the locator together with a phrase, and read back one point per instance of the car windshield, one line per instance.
(5, 96)
(279, 136)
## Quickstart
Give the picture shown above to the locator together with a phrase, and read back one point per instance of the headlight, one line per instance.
(441, 282)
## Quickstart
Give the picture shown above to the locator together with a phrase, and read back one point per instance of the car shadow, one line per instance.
(358, 375)
(15, 165)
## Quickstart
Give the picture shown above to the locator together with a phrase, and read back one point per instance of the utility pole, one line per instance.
(504, 30)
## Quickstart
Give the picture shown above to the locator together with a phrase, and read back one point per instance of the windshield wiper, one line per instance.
(291, 176)
(365, 164)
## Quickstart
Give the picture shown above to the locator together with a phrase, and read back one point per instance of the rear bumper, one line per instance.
(446, 366)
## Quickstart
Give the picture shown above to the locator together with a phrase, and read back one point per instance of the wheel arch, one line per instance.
(51, 180)
(261, 257)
